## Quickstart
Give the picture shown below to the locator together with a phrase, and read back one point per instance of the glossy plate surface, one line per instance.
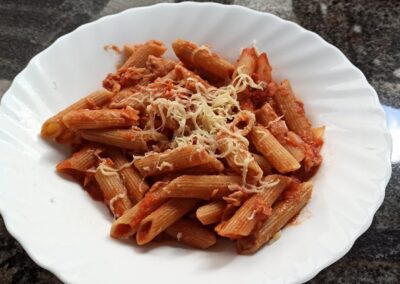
(63, 230)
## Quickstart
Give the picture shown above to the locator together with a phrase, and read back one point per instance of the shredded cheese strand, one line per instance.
(114, 199)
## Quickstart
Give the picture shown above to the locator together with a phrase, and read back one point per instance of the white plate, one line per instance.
(66, 232)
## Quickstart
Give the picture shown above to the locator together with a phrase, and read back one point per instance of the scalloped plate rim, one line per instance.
(39, 259)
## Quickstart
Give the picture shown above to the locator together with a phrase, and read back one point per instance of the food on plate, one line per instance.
(192, 149)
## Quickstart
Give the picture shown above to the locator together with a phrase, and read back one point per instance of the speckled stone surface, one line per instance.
(368, 32)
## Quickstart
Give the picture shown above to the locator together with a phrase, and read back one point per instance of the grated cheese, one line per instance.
(245, 166)
(252, 215)
(114, 199)
(200, 114)
(165, 165)
(126, 165)
(249, 188)
(262, 186)
(107, 170)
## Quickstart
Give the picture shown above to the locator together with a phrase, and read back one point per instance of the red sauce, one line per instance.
(304, 175)
(93, 189)
(292, 190)
(247, 104)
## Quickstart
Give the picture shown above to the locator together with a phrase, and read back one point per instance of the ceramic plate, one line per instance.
(66, 232)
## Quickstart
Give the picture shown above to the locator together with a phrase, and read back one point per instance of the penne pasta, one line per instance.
(132, 139)
(211, 213)
(281, 214)
(139, 96)
(254, 210)
(293, 111)
(267, 117)
(295, 151)
(243, 122)
(141, 53)
(191, 78)
(102, 118)
(54, 127)
(239, 158)
(81, 160)
(318, 133)
(202, 187)
(200, 131)
(128, 50)
(247, 62)
(136, 186)
(123, 94)
(191, 233)
(213, 166)
(159, 66)
(127, 225)
(292, 142)
(163, 217)
(201, 57)
(272, 150)
(264, 69)
(134, 100)
(113, 189)
(171, 160)
(68, 136)
(263, 163)
(128, 78)
(93, 189)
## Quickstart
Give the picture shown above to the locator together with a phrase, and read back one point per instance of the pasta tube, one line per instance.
(54, 127)
(191, 233)
(162, 218)
(281, 214)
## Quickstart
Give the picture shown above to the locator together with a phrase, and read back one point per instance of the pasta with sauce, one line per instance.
(192, 149)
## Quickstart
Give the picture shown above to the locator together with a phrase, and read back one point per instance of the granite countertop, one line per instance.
(368, 32)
